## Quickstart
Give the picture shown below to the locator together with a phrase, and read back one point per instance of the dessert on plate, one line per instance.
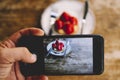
(58, 46)
(66, 24)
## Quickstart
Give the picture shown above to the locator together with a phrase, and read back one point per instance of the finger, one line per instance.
(17, 70)
(28, 78)
(43, 77)
(26, 31)
(12, 75)
(7, 44)
(36, 78)
(10, 55)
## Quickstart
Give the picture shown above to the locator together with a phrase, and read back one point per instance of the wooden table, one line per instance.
(17, 14)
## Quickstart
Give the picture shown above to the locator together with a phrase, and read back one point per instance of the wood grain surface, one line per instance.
(18, 14)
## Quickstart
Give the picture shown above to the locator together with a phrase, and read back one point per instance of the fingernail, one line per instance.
(34, 57)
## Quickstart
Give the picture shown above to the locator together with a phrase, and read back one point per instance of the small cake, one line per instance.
(66, 24)
(58, 46)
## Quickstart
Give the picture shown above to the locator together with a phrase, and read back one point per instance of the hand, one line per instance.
(10, 55)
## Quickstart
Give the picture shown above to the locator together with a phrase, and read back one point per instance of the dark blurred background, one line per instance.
(18, 14)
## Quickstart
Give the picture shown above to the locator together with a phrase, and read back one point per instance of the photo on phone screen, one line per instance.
(68, 55)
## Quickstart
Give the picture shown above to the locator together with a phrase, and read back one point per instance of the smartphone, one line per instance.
(64, 55)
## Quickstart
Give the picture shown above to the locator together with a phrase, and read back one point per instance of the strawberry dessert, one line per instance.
(58, 46)
(66, 24)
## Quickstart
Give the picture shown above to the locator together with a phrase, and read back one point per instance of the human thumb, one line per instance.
(10, 55)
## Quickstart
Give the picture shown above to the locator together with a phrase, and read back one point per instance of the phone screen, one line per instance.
(68, 55)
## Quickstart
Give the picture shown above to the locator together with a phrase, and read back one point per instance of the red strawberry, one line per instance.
(68, 28)
(73, 20)
(59, 48)
(57, 42)
(65, 16)
(58, 24)
(61, 44)
(54, 45)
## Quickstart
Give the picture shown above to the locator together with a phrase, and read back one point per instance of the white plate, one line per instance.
(74, 8)
(59, 53)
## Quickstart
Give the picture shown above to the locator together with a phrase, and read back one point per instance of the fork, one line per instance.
(49, 51)
(53, 16)
(67, 43)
